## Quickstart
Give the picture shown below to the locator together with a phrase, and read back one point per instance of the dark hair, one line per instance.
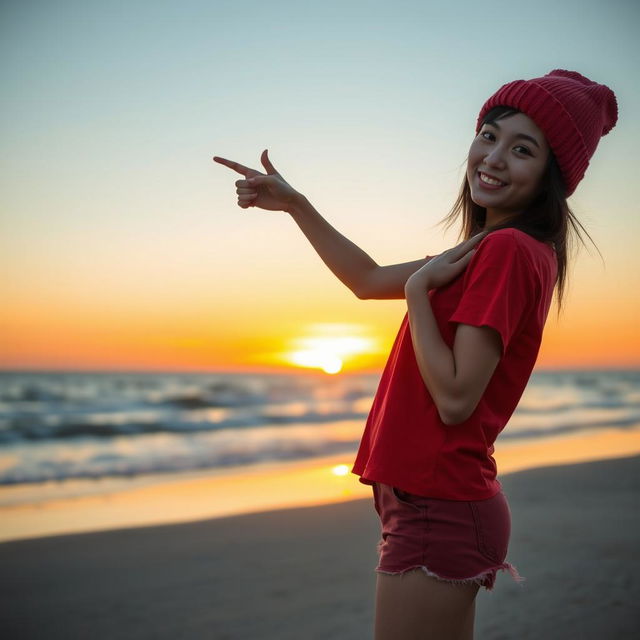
(548, 218)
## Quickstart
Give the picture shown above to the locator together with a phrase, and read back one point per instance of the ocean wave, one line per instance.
(28, 428)
(61, 426)
(165, 453)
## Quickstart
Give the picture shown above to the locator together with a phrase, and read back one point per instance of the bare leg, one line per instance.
(416, 606)
(467, 632)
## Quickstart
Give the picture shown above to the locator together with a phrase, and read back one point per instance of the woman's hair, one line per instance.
(548, 218)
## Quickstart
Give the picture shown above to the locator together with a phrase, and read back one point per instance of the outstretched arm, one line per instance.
(350, 264)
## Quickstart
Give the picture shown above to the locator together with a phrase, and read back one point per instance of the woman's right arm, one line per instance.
(350, 264)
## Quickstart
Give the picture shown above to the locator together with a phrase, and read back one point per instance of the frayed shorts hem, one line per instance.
(480, 579)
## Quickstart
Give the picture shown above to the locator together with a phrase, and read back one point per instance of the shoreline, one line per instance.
(268, 575)
(80, 506)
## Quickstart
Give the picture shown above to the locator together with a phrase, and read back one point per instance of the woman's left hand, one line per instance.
(445, 267)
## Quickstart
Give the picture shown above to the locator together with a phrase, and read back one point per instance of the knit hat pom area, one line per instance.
(572, 111)
(609, 103)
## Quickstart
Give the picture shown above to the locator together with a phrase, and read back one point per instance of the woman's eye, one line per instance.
(522, 149)
(487, 135)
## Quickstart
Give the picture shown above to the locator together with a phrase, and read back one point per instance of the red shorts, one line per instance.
(454, 540)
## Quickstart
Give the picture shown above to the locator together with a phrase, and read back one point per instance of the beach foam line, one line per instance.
(32, 511)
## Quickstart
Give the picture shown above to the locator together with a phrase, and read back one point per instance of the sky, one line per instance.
(121, 243)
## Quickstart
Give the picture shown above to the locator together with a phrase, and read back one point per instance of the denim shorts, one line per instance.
(456, 541)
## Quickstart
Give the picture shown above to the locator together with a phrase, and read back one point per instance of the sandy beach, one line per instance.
(308, 572)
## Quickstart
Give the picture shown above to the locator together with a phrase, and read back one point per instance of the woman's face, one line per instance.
(507, 160)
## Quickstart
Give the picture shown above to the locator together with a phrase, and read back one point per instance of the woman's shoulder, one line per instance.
(510, 233)
(502, 241)
(519, 252)
(519, 240)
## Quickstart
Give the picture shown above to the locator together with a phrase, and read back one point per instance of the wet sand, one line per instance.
(308, 572)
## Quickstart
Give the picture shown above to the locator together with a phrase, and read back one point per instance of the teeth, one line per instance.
(488, 180)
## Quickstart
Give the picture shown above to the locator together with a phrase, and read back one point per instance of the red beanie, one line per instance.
(572, 111)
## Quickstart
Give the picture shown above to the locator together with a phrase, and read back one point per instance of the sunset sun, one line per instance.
(327, 347)
(319, 358)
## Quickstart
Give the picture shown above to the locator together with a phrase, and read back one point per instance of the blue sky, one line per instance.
(113, 110)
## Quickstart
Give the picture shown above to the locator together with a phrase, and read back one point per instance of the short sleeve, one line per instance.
(498, 287)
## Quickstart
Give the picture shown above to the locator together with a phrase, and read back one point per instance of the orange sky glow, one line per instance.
(121, 243)
(84, 338)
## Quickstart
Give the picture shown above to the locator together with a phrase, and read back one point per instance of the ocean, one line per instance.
(60, 426)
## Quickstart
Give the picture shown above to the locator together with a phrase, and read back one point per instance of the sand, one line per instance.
(308, 572)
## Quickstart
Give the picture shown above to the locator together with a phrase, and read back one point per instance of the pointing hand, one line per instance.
(268, 191)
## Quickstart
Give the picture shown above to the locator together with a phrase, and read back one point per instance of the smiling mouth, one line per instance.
(490, 180)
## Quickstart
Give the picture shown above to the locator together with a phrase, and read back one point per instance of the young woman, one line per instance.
(466, 347)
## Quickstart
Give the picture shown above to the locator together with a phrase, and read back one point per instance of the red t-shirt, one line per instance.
(507, 285)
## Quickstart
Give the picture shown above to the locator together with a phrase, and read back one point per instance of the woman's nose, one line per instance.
(495, 158)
